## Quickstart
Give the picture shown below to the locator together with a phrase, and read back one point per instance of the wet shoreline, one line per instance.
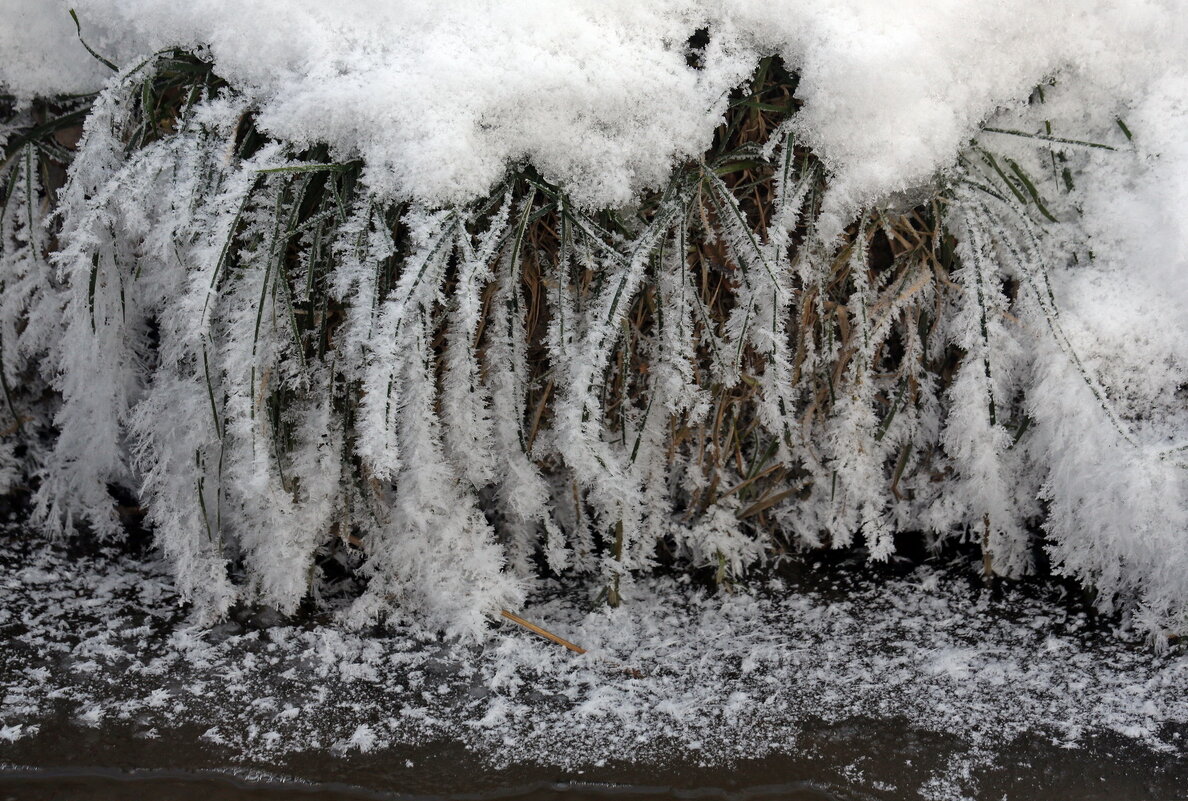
(858, 760)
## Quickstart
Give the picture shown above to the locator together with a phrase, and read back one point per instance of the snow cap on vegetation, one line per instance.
(438, 99)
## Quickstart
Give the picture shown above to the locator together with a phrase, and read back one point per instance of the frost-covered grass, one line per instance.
(657, 303)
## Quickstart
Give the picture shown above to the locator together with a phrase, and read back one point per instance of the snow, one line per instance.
(362, 739)
(439, 99)
(39, 58)
(725, 677)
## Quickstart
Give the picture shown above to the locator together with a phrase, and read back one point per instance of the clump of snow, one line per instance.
(39, 58)
(362, 739)
(439, 100)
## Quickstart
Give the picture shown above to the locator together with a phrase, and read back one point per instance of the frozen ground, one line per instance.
(102, 640)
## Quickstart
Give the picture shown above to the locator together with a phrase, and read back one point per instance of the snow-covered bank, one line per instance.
(725, 677)
(936, 282)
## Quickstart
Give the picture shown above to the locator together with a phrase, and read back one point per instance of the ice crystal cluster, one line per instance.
(456, 294)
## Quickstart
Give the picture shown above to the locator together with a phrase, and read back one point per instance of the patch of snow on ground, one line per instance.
(727, 677)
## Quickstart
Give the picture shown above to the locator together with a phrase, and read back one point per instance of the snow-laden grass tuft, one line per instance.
(310, 373)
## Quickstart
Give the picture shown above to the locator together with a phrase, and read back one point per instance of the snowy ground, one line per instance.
(102, 640)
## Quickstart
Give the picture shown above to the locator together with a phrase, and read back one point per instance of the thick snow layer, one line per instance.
(38, 56)
(717, 679)
(439, 98)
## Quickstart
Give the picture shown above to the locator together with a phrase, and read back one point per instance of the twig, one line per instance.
(548, 635)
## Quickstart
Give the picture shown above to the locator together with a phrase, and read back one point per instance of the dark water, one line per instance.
(105, 785)
(858, 760)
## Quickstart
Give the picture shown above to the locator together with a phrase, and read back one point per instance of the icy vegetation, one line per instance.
(446, 298)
